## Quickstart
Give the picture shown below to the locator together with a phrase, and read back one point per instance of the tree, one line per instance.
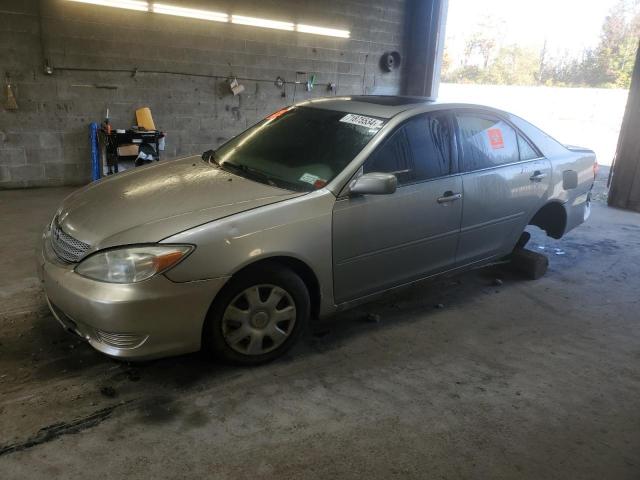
(609, 64)
(482, 44)
(541, 64)
(618, 43)
(514, 65)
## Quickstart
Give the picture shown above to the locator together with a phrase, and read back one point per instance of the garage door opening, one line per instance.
(568, 74)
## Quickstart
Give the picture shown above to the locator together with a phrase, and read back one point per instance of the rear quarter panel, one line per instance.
(565, 163)
(578, 163)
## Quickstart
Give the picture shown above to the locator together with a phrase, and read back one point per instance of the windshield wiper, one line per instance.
(249, 171)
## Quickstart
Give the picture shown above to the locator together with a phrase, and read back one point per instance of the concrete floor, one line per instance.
(528, 379)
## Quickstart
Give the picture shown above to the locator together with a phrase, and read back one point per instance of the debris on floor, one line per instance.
(108, 392)
(373, 318)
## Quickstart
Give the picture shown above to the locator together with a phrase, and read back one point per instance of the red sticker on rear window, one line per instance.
(495, 138)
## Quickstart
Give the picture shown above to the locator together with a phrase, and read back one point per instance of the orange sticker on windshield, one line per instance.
(495, 138)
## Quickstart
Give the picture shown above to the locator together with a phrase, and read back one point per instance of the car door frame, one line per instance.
(454, 172)
(491, 114)
(455, 168)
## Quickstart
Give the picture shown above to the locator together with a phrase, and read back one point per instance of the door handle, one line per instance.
(537, 176)
(449, 196)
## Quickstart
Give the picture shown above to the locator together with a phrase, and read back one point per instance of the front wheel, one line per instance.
(258, 316)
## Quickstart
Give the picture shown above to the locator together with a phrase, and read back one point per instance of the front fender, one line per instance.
(299, 227)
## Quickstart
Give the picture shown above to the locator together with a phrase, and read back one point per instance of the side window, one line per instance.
(430, 141)
(526, 150)
(486, 142)
(419, 150)
(393, 157)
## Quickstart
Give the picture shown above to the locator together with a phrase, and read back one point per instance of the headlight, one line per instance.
(132, 264)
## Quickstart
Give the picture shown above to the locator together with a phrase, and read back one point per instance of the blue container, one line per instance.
(96, 170)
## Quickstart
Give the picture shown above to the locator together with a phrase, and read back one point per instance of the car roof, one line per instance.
(382, 106)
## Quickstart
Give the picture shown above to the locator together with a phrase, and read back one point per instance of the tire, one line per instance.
(258, 316)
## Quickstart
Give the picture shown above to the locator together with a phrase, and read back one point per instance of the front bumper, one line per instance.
(151, 319)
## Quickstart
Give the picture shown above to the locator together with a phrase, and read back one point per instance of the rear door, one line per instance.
(505, 180)
(380, 241)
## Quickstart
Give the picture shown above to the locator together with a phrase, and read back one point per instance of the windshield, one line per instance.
(298, 148)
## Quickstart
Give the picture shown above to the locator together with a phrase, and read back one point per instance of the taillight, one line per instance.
(596, 167)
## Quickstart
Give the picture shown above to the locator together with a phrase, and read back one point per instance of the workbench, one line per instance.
(118, 138)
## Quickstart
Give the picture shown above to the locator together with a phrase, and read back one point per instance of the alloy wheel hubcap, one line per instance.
(259, 319)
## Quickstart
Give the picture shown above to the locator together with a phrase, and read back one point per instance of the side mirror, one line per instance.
(374, 183)
(208, 155)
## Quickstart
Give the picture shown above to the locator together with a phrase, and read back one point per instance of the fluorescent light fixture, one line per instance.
(190, 12)
(165, 9)
(128, 4)
(331, 32)
(262, 22)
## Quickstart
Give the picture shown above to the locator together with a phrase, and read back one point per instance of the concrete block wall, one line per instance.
(45, 141)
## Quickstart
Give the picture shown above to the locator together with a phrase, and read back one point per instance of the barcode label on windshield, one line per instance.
(363, 121)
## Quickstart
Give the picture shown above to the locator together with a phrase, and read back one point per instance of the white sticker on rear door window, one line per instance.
(363, 121)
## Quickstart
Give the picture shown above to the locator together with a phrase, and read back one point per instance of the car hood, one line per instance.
(150, 203)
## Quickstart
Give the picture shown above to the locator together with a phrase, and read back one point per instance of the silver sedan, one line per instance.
(316, 208)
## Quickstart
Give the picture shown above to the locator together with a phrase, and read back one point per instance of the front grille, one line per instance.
(121, 340)
(66, 247)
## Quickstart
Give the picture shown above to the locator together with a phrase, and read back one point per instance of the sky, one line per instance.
(568, 25)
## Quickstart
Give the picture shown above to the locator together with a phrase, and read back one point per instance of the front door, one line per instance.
(380, 241)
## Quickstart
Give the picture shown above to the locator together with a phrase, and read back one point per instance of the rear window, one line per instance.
(527, 152)
(298, 148)
(486, 142)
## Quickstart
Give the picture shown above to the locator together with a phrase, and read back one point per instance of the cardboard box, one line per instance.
(128, 150)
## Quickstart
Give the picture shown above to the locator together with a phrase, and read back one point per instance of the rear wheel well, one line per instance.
(552, 218)
(299, 268)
